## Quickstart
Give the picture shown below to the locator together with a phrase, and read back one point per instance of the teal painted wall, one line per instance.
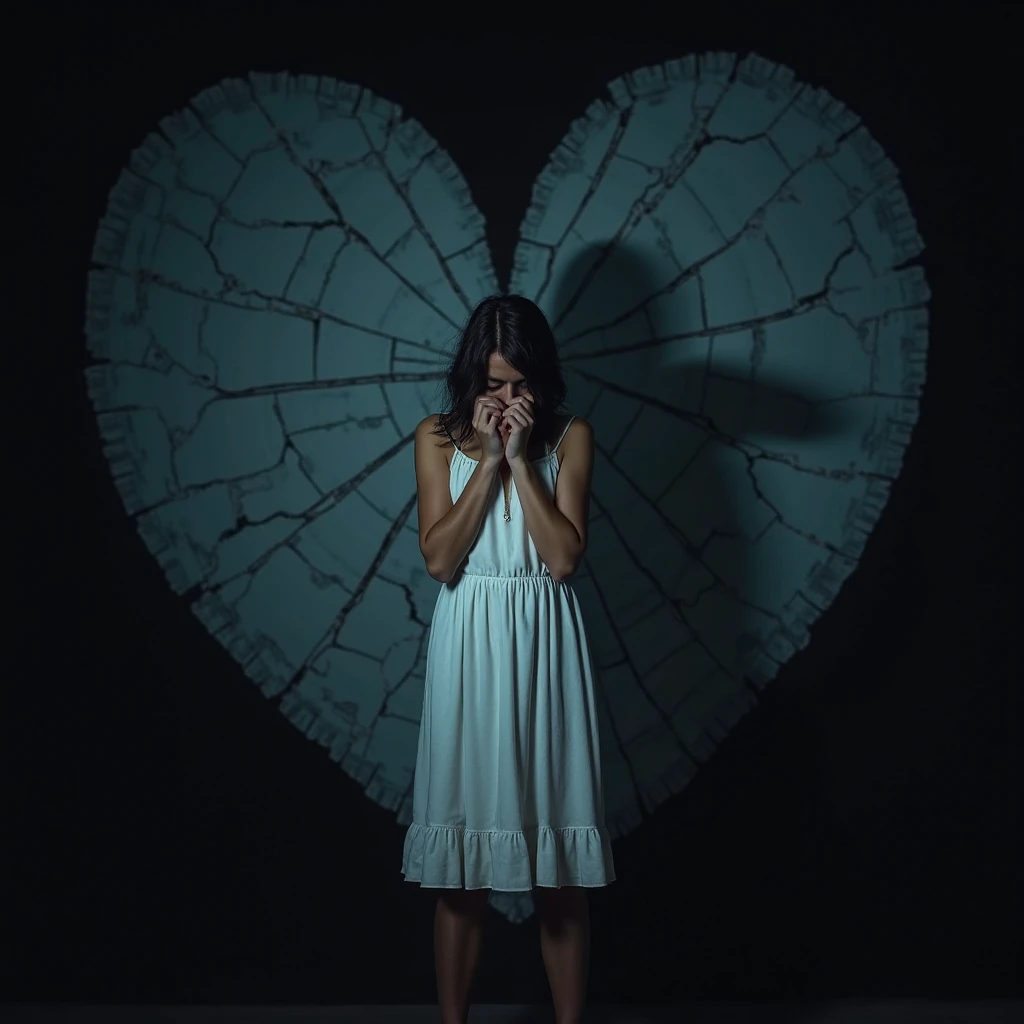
(728, 258)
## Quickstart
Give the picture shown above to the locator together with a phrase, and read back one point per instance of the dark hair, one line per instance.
(518, 331)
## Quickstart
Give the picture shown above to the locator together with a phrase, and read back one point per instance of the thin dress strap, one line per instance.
(452, 439)
(562, 438)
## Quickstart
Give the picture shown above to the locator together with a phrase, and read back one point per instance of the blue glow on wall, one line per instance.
(278, 280)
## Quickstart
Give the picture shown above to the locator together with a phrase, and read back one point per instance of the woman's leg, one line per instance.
(458, 940)
(565, 946)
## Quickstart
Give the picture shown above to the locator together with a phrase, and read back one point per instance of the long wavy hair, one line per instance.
(518, 331)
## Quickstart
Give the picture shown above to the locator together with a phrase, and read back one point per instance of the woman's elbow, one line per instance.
(439, 573)
(561, 573)
(565, 570)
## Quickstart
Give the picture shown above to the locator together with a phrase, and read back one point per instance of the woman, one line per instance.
(508, 791)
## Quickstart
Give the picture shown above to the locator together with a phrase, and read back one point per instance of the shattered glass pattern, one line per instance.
(277, 283)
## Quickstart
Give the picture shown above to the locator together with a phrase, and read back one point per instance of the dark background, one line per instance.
(176, 839)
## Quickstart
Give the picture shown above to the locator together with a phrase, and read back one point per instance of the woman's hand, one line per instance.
(517, 424)
(487, 421)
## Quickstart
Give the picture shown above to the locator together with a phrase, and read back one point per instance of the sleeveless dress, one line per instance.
(507, 791)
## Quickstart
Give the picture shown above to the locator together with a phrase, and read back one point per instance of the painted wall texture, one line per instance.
(277, 283)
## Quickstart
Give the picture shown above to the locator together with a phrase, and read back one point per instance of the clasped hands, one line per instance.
(511, 423)
(516, 426)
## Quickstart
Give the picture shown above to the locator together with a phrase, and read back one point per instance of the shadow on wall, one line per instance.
(678, 588)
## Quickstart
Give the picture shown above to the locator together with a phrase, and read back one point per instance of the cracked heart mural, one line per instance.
(727, 257)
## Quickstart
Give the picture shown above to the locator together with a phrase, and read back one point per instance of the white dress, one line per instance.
(507, 793)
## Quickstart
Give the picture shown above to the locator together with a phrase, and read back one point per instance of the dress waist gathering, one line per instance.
(506, 577)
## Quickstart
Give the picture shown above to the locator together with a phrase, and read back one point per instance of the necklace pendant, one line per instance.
(508, 516)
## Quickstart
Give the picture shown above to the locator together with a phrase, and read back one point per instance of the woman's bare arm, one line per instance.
(559, 526)
(448, 531)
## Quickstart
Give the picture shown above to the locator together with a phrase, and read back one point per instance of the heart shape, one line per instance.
(277, 283)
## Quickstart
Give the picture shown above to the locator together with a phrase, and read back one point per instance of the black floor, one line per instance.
(830, 1012)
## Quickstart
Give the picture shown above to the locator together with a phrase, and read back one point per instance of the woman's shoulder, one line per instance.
(430, 431)
(432, 424)
(574, 421)
(574, 428)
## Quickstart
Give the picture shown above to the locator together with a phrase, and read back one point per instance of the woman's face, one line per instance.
(504, 383)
